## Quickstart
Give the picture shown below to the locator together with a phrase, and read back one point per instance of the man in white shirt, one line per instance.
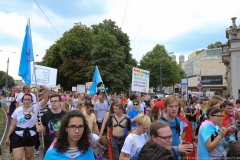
(100, 108)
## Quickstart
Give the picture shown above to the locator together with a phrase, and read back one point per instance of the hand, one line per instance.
(185, 148)
(223, 132)
(40, 128)
(7, 142)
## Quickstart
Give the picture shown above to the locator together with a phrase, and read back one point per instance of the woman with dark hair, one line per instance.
(73, 141)
(211, 139)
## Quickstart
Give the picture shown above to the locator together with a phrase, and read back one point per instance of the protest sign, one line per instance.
(140, 80)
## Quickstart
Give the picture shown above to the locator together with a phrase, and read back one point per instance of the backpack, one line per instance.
(135, 156)
(172, 127)
(201, 119)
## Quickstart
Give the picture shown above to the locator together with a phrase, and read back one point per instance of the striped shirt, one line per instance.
(72, 151)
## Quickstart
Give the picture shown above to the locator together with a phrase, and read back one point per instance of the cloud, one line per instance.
(182, 26)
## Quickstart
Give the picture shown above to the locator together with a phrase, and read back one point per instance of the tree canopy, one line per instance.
(158, 57)
(11, 82)
(214, 45)
(81, 48)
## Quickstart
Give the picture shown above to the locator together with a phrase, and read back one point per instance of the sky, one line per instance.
(181, 26)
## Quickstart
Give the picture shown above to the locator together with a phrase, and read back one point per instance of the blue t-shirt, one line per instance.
(133, 113)
(175, 141)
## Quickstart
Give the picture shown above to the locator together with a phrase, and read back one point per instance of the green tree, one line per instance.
(171, 72)
(11, 82)
(214, 45)
(71, 55)
(109, 57)
(111, 53)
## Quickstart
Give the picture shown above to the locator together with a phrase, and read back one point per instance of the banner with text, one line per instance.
(184, 88)
(81, 88)
(44, 75)
(140, 80)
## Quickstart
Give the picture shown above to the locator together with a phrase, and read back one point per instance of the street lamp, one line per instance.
(161, 70)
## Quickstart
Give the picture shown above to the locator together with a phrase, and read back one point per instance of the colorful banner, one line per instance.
(140, 80)
(184, 84)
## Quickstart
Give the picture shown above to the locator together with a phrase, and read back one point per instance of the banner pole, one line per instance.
(34, 72)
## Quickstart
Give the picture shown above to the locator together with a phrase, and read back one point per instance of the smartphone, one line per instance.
(188, 151)
(185, 143)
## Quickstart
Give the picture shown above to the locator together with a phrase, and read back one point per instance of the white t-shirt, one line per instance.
(130, 105)
(22, 120)
(75, 101)
(93, 140)
(19, 98)
(101, 109)
(142, 106)
(8, 100)
(138, 140)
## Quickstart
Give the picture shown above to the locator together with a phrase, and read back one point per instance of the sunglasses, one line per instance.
(91, 110)
(135, 104)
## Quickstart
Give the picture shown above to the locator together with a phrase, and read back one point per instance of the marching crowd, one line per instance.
(73, 126)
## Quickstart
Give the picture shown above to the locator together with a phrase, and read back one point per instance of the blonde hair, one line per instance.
(182, 103)
(69, 98)
(217, 97)
(143, 120)
(65, 106)
(171, 99)
(26, 87)
(212, 102)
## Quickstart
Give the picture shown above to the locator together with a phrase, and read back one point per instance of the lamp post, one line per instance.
(6, 86)
(161, 70)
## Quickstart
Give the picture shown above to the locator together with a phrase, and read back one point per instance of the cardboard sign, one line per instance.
(140, 80)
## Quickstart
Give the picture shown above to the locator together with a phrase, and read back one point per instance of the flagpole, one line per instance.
(34, 72)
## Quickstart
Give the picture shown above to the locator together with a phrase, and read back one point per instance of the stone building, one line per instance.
(206, 68)
(231, 59)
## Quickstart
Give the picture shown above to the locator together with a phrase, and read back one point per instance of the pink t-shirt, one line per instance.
(63, 98)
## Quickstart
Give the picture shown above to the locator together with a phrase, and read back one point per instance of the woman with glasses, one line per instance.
(135, 141)
(73, 141)
(133, 113)
(211, 139)
(22, 134)
(159, 145)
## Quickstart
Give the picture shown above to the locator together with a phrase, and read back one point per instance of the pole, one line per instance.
(161, 74)
(34, 72)
(6, 87)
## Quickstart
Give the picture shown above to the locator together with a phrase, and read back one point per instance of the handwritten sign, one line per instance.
(81, 88)
(140, 80)
(44, 76)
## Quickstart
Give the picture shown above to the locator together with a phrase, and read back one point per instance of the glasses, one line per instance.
(73, 127)
(135, 104)
(167, 138)
(27, 99)
(218, 116)
(54, 101)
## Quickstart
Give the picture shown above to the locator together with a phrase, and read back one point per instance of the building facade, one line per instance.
(206, 68)
(231, 59)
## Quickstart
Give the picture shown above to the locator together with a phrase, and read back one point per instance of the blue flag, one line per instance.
(26, 57)
(96, 80)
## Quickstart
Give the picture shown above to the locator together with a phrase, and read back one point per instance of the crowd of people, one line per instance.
(69, 125)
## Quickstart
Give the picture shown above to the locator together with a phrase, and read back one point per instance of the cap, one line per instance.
(159, 105)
